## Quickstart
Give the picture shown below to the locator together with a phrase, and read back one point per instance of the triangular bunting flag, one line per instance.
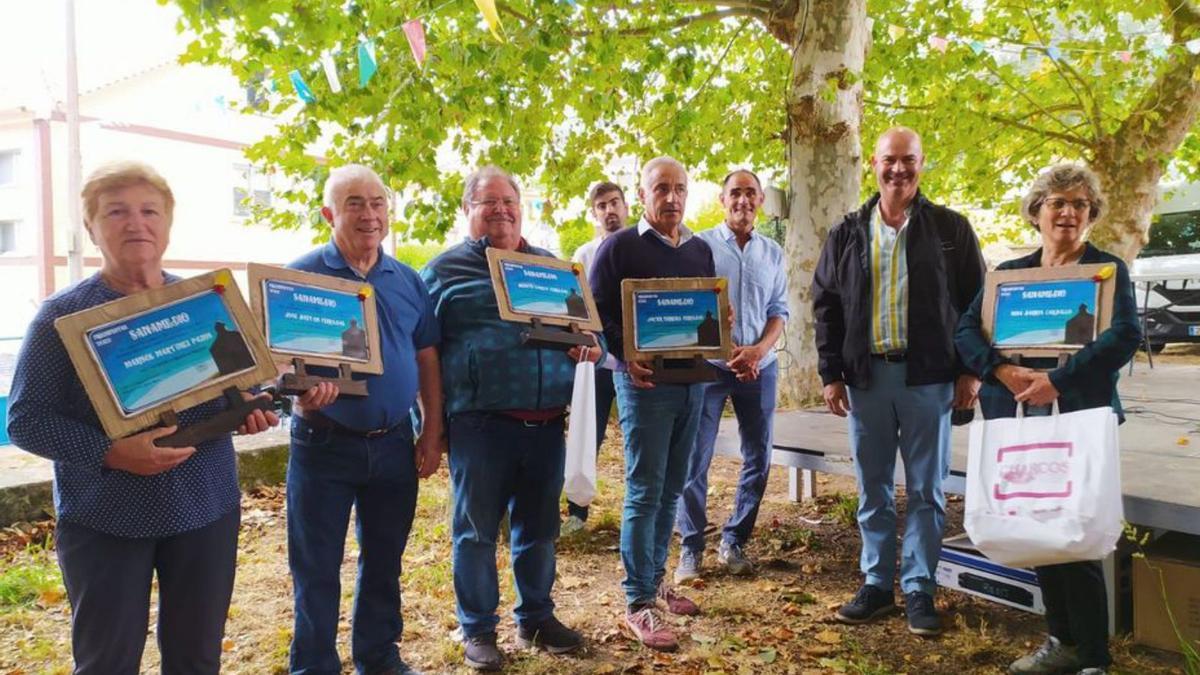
(1193, 46)
(870, 24)
(488, 9)
(896, 32)
(415, 32)
(366, 62)
(976, 46)
(1054, 53)
(331, 74)
(301, 87)
(1125, 57)
(938, 43)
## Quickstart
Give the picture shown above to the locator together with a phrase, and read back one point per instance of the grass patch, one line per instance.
(845, 509)
(25, 582)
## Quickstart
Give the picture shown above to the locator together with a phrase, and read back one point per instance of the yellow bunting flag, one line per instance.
(488, 9)
(894, 31)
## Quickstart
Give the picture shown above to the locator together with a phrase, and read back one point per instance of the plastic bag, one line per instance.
(1044, 490)
(579, 476)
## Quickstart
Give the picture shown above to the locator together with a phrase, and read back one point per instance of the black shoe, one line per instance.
(550, 635)
(923, 619)
(869, 603)
(481, 652)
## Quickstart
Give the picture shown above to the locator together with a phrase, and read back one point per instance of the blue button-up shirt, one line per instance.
(406, 326)
(757, 283)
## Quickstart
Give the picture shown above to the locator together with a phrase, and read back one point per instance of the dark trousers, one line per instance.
(501, 465)
(606, 393)
(108, 583)
(1077, 608)
(329, 472)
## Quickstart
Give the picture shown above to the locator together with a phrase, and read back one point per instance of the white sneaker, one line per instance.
(1052, 657)
(688, 568)
(572, 525)
(734, 559)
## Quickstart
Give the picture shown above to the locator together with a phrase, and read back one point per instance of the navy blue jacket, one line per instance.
(1089, 377)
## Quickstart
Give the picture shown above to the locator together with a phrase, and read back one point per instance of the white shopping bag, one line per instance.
(579, 476)
(1044, 490)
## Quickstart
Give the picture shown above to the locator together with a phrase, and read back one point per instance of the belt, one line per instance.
(323, 422)
(516, 417)
(894, 356)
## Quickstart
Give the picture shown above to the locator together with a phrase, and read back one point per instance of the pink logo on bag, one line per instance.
(1034, 471)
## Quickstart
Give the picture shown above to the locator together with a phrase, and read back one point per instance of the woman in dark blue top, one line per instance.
(127, 508)
(1062, 203)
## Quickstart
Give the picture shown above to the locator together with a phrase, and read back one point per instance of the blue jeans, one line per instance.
(659, 425)
(754, 405)
(328, 472)
(884, 417)
(498, 464)
(605, 394)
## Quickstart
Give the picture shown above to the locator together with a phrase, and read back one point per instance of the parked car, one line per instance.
(1167, 271)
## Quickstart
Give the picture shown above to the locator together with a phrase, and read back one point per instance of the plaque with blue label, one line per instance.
(1042, 312)
(143, 357)
(317, 320)
(551, 295)
(677, 325)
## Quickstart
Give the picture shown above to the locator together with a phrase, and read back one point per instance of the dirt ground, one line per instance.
(775, 622)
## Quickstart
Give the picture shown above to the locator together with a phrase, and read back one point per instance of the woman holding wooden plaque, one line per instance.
(127, 508)
(1063, 203)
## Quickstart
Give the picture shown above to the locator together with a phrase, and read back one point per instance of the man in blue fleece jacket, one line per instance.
(506, 405)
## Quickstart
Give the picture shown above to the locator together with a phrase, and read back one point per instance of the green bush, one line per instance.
(417, 255)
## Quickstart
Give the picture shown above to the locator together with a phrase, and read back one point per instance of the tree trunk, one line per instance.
(1131, 192)
(825, 104)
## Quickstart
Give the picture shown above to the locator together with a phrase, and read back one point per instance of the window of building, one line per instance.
(250, 185)
(8, 167)
(8, 236)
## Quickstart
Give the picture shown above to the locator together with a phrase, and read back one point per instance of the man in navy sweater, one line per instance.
(659, 421)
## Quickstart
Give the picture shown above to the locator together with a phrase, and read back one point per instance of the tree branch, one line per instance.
(747, 4)
(642, 31)
(1183, 15)
(1065, 71)
(1030, 100)
(1018, 124)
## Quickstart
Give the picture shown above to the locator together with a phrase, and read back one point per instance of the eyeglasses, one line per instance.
(1059, 204)
(508, 203)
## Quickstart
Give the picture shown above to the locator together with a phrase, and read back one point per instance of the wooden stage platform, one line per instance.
(1160, 448)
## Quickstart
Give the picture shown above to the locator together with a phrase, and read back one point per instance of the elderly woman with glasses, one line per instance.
(1062, 204)
(128, 509)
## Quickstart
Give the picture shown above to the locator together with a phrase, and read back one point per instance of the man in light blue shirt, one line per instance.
(754, 265)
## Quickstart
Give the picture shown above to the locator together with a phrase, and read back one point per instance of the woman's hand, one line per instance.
(137, 454)
(1016, 378)
(1041, 391)
(585, 353)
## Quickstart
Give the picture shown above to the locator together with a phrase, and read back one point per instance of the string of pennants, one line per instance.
(1054, 52)
(368, 64)
(414, 33)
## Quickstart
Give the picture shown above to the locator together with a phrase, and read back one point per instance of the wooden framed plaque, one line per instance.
(1047, 311)
(544, 291)
(144, 357)
(327, 321)
(676, 319)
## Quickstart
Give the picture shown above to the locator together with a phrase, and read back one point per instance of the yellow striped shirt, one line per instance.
(889, 284)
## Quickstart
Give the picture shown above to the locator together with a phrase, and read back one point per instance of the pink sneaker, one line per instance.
(648, 629)
(676, 603)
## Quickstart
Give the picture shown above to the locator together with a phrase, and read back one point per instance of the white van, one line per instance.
(1166, 273)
